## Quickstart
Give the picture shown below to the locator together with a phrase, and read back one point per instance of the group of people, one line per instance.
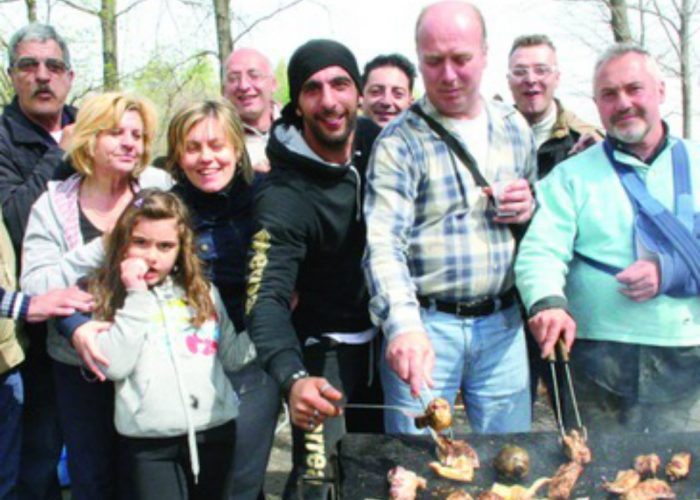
(352, 246)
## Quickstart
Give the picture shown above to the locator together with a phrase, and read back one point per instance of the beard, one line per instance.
(336, 140)
(631, 133)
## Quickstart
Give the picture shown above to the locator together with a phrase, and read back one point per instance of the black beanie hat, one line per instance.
(311, 57)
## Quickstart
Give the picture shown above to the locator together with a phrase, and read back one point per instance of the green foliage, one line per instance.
(282, 92)
(171, 85)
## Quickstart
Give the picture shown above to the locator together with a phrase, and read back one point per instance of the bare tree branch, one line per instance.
(265, 18)
(671, 39)
(127, 9)
(70, 3)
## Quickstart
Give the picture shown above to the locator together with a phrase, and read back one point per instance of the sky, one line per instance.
(368, 27)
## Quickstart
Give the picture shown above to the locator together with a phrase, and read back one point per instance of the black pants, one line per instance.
(86, 412)
(42, 437)
(160, 467)
(353, 370)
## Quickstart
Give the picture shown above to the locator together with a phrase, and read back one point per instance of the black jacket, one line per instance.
(223, 225)
(309, 240)
(29, 158)
(566, 132)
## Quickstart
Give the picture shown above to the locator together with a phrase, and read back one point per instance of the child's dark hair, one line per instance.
(106, 285)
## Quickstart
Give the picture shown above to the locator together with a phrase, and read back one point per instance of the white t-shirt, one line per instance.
(475, 134)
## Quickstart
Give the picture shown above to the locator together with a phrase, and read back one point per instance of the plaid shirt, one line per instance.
(429, 227)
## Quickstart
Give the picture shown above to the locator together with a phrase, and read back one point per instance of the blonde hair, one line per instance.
(189, 116)
(104, 112)
(106, 284)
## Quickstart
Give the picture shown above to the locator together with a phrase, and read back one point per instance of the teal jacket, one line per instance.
(584, 208)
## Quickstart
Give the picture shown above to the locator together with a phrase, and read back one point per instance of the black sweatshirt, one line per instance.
(309, 240)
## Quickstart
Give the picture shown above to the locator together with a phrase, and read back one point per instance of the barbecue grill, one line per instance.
(366, 458)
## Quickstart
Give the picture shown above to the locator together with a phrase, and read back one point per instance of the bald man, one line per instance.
(439, 257)
(250, 85)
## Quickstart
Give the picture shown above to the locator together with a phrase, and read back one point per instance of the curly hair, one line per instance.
(106, 284)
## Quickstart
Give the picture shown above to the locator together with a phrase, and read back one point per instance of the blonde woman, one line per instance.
(110, 148)
(207, 157)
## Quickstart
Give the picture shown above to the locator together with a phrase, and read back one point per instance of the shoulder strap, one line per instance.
(452, 143)
(666, 223)
(685, 207)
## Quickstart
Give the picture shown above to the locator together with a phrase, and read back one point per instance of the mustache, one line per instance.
(626, 114)
(43, 87)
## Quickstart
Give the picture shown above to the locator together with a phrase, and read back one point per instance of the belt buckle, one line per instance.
(462, 308)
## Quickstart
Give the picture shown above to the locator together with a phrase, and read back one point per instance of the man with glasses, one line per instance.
(533, 77)
(250, 86)
(34, 130)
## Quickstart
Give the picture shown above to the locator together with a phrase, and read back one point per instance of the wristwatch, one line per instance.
(297, 375)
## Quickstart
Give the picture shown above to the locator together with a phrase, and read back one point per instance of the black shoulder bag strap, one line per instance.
(467, 159)
(453, 144)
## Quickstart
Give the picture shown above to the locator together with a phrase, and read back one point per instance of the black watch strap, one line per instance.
(297, 375)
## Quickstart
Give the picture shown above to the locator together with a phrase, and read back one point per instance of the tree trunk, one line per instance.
(686, 69)
(108, 23)
(31, 10)
(222, 12)
(618, 20)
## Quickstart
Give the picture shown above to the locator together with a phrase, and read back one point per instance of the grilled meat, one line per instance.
(460, 470)
(564, 480)
(457, 460)
(459, 495)
(625, 481)
(450, 449)
(576, 448)
(404, 483)
(489, 495)
(650, 489)
(438, 415)
(679, 466)
(518, 492)
(647, 465)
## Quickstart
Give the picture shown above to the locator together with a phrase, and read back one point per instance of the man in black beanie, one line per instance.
(305, 259)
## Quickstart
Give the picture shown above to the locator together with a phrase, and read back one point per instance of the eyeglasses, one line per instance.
(539, 71)
(31, 64)
(252, 76)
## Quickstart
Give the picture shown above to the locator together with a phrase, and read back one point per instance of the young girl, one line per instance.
(168, 346)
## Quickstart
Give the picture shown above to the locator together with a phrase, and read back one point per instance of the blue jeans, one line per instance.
(260, 403)
(486, 357)
(11, 401)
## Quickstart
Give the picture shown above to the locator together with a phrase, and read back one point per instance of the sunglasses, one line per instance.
(31, 64)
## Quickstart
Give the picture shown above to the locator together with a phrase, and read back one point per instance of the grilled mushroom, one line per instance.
(438, 415)
(512, 462)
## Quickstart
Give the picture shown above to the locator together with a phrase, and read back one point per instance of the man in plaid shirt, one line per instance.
(439, 257)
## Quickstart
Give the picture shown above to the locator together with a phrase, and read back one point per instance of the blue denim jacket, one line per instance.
(223, 223)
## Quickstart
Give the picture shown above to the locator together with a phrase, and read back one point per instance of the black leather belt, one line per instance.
(472, 308)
